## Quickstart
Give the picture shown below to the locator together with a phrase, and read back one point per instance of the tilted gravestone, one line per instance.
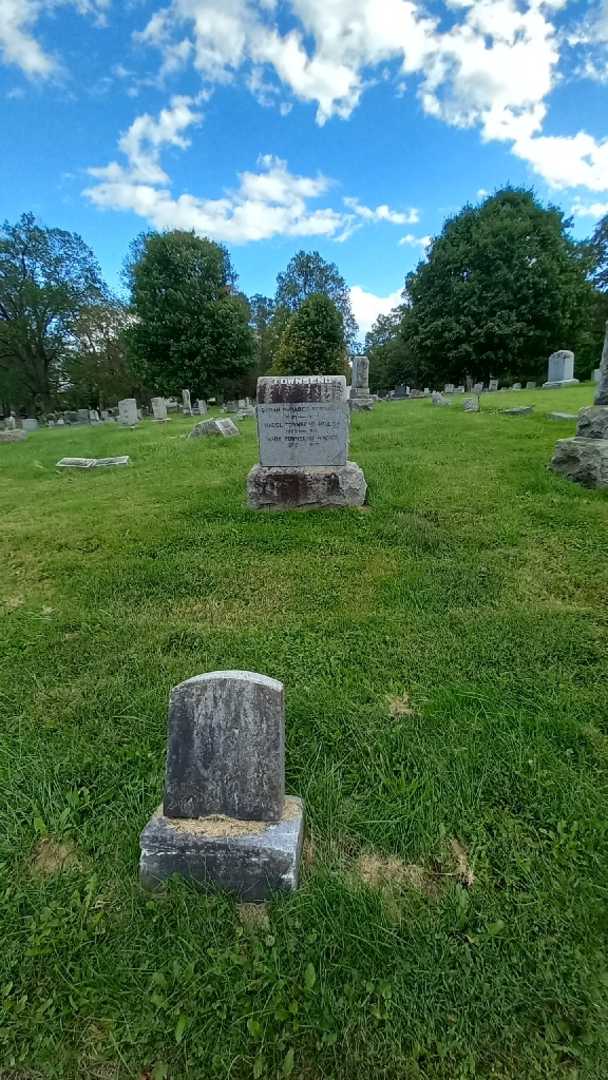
(360, 397)
(303, 432)
(226, 428)
(186, 403)
(584, 458)
(127, 412)
(225, 821)
(561, 370)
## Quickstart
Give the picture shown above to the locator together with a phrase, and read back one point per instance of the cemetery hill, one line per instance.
(304, 753)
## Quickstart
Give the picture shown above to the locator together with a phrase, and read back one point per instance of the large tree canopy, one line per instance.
(503, 286)
(312, 342)
(307, 273)
(48, 277)
(191, 327)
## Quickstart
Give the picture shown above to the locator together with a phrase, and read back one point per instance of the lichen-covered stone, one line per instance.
(584, 461)
(313, 487)
(601, 396)
(226, 747)
(593, 422)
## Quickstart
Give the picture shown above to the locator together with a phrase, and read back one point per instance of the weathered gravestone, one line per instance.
(202, 407)
(127, 412)
(360, 397)
(596, 374)
(10, 423)
(561, 416)
(437, 398)
(186, 403)
(530, 385)
(459, 390)
(471, 404)
(448, 388)
(83, 416)
(493, 385)
(584, 458)
(478, 388)
(561, 370)
(519, 410)
(516, 386)
(29, 424)
(225, 821)
(226, 428)
(93, 416)
(159, 410)
(303, 432)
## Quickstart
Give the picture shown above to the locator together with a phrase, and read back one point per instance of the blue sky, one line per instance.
(348, 126)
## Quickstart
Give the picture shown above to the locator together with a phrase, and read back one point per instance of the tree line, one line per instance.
(503, 285)
(67, 342)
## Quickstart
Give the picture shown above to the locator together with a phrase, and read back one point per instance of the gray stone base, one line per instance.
(286, 488)
(593, 422)
(583, 460)
(366, 403)
(251, 859)
(558, 385)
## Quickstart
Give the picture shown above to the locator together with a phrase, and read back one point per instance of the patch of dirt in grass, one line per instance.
(253, 916)
(308, 852)
(401, 706)
(382, 871)
(464, 873)
(11, 603)
(51, 857)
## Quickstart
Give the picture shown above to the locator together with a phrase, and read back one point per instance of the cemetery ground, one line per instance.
(444, 653)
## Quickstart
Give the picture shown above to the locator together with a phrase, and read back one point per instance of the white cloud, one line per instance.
(367, 306)
(482, 193)
(592, 210)
(410, 240)
(492, 64)
(271, 201)
(567, 160)
(383, 213)
(19, 47)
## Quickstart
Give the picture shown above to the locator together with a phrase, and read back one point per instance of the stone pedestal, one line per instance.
(287, 488)
(303, 429)
(225, 822)
(561, 370)
(584, 459)
(251, 859)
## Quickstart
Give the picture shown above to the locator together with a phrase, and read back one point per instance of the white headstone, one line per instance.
(561, 370)
(186, 403)
(159, 408)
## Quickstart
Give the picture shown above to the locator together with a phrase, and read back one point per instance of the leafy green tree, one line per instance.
(191, 326)
(390, 359)
(97, 370)
(265, 332)
(308, 273)
(48, 277)
(503, 286)
(312, 342)
(599, 254)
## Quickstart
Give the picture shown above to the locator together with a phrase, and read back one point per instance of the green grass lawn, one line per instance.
(445, 657)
